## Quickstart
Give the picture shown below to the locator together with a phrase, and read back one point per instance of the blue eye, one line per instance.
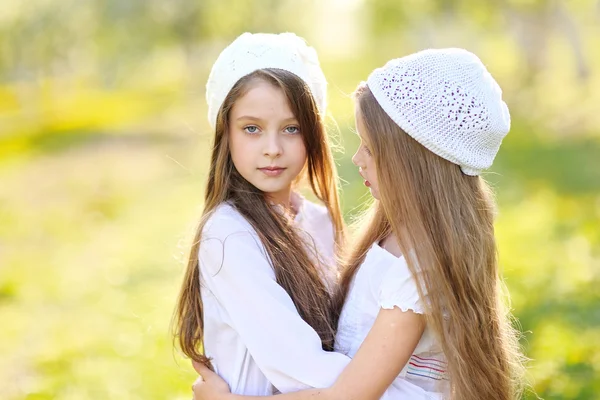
(292, 130)
(251, 129)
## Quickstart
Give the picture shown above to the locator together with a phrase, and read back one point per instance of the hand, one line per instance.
(209, 386)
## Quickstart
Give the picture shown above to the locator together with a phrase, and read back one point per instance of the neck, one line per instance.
(282, 198)
(285, 200)
(390, 243)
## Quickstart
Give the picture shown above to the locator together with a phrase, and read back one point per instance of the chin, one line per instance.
(374, 193)
(272, 188)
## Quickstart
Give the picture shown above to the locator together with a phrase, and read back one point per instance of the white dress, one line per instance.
(258, 341)
(384, 281)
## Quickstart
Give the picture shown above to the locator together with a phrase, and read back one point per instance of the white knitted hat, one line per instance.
(251, 52)
(447, 101)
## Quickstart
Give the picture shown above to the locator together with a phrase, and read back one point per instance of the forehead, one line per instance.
(358, 121)
(262, 99)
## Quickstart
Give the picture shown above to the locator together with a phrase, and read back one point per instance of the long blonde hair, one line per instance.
(294, 269)
(445, 218)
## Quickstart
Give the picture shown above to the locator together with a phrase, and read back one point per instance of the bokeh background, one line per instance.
(103, 153)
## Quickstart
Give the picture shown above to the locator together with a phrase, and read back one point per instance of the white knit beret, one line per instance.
(447, 101)
(251, 52)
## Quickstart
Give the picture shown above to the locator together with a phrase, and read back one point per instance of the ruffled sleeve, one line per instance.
(399, 289)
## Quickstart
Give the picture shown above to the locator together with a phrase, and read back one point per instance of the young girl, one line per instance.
(255, 301)
(420, 297)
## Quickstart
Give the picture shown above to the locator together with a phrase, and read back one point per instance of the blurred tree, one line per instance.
(102, 145)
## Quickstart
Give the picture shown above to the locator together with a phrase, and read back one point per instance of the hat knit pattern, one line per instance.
(447, 101)
(251, 52)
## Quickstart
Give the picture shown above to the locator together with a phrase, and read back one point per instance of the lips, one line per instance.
(272, 170)
(366, 182)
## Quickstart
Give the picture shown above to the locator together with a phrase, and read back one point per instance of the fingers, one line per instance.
(198, 381)
(198, 366)
(202, 370)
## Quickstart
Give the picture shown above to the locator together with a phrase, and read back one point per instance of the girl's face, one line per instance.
(363, 158)
(266, 144)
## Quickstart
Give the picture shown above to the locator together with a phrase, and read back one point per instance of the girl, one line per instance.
(255, 301)
(420, 297)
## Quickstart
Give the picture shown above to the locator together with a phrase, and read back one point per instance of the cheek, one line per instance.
(371, 166)
(239, 149)
(297, 151)
(372, 169)
(234, 141)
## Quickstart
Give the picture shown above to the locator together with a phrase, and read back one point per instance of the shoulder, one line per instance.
(229, 239)
(317, 209)
(224, 221)
(316, 212)
(399, 288)
(318, 223)
(227, 229)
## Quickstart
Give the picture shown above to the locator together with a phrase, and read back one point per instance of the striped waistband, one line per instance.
(429, 368)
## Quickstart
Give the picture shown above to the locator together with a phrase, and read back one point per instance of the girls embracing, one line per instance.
(412, 307)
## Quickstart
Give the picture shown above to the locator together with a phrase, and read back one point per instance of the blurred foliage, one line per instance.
(103, 153)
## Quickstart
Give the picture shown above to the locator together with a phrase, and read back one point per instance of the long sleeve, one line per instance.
(235, 268)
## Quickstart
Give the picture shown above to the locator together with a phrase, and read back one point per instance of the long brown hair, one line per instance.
(294, 268)
(445, 218)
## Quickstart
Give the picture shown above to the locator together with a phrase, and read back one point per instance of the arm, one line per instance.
(238, 273)
(385, 351)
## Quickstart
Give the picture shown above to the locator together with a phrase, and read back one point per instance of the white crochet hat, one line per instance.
(447, 101)
(251, 52)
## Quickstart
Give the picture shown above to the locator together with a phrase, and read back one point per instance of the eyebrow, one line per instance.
(249, 117)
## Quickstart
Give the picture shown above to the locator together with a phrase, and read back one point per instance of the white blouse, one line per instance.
(384, 281)
(257, 340)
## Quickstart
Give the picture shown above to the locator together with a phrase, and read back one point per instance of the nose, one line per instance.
(273, 147)
(356, 158)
